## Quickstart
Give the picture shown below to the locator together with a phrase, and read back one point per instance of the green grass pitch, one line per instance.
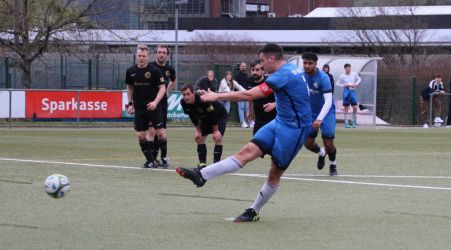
(393, 192)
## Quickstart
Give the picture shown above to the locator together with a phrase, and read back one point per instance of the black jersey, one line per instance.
(205, 112)
(145, 82)
(331, 78)
(242, 79)
(204, 84)
(167, 71)
(259, 111)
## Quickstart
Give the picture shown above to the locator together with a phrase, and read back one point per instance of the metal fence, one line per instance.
(397, 98)
(398, 101)
(97, 72)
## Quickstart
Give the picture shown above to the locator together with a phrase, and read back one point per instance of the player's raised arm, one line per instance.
(257, 92)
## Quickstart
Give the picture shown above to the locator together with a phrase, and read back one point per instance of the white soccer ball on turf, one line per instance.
(57, 185)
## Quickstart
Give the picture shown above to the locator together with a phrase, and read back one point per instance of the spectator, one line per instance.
(326, 70)
(241, 78)
(434, 86)
(228, 84)
(207, 83)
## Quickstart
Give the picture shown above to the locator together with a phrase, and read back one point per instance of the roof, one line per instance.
(359, 64)
(325, 38)
(432, 37)
(375, 11)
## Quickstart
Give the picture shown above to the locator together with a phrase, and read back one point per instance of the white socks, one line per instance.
(226, 166)
(322, 152)
(265, 194)
(346, 116)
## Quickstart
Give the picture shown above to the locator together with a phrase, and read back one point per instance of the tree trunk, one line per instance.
(26, 76)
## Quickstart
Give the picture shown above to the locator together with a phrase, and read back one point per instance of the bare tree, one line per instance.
(391, 33)
(223, 49)
(29, 27)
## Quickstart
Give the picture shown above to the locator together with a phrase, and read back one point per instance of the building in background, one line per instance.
(159, 14)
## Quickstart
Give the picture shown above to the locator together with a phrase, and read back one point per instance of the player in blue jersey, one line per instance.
(323, 112)
(282, 138)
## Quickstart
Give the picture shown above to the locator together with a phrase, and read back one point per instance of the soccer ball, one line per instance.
(56, 185)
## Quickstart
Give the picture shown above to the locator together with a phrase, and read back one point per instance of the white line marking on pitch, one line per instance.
(373, 176)
(238, 174)
(76, 164)
(356, 182)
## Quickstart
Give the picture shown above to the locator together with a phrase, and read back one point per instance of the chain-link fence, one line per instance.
(398, 96)
(398, 100)
(99, 72)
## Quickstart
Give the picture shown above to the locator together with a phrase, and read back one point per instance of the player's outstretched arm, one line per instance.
(248, 95)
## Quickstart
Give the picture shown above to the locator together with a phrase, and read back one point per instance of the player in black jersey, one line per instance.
(168, 73)
(207, 118)
(263, 109)
(145, 89)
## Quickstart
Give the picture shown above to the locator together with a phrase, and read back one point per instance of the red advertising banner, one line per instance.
(64, 104)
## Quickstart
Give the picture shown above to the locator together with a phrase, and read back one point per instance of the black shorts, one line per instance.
(164, 110)
(146, 118)
(206, 128)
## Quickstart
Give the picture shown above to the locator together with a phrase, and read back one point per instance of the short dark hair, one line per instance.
(326, 66)
(274, 49)
(438, 75)
(347, 65)
(254, 63)
(310, 56)
(187, 86)
(164, 47)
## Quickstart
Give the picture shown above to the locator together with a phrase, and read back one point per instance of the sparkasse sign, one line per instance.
(65, 104)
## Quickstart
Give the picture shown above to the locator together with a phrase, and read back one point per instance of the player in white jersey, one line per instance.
(349, 81)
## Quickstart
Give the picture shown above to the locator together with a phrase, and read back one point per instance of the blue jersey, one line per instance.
(292, 96)
(318, 84)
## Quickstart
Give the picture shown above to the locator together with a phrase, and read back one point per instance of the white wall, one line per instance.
(18, 104)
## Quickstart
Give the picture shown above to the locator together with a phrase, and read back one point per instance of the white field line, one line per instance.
(374, 176)
(253, 175)
(354, 182)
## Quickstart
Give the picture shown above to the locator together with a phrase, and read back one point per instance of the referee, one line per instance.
(207, 118)
(145, 89)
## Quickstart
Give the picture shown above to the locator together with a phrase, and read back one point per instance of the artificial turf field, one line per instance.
(393, 192)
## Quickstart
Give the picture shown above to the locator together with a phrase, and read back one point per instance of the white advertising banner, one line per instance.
(18, 104)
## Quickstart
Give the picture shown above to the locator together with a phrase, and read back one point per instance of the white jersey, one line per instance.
(351, 78)
(436, 86)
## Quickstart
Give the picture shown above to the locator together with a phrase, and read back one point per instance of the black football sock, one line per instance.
(164, 147)
(145, 148)
(315, 149)
(156, 148)
(202, 153)
(332, 155)
(217, 153)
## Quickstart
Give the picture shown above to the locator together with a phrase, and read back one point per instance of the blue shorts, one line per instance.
(327, 126)
(349, 97)
(281, 142)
